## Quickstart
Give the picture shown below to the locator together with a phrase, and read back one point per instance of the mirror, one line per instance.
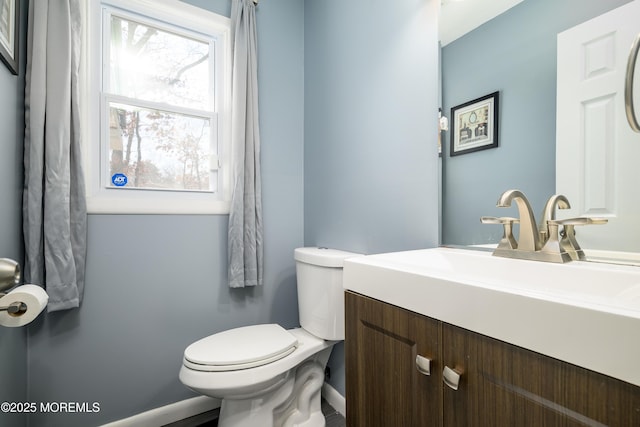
(514, 53)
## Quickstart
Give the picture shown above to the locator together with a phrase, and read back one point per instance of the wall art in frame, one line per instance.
(9, 12)
(475, 125)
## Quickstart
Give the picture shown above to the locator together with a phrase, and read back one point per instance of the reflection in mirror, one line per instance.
(514, 53)
(596, 150)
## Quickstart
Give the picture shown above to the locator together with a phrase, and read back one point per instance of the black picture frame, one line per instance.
(9, 24)
(475, 125)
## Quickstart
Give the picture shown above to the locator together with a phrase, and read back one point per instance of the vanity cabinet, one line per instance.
(499, 384)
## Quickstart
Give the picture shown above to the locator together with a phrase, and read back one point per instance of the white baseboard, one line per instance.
(334, 398)
(190, 407)
(169, 413)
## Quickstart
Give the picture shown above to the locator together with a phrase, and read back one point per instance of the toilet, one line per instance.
(267, 375)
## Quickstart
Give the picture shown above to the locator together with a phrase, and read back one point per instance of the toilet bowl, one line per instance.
(267, 375)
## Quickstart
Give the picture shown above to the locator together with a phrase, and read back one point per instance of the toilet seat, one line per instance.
(240, 348)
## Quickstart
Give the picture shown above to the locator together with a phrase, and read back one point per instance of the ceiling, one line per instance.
(458, 17)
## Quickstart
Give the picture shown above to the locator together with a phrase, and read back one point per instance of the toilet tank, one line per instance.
(320, 292)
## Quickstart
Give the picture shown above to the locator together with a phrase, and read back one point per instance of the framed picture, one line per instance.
(9, 12)
(475, 125)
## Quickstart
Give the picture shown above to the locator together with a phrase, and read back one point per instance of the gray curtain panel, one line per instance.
(54, 206)
(245, 219)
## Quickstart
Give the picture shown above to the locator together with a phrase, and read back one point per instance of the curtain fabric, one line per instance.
(245, 243)
(54, 206)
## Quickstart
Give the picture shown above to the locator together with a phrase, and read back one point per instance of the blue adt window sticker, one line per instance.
(119, 179)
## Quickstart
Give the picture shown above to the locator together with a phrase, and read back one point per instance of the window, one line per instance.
(158, 139)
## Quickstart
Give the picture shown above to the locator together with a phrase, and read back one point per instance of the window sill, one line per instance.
(144, 206)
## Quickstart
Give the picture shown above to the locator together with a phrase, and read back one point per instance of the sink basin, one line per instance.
(583, 313)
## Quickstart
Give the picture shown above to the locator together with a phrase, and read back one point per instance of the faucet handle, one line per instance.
(583, 220)
(507, 241)
(498, 220)
(569, 242)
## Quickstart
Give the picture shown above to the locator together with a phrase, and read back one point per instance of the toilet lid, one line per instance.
(240, 348)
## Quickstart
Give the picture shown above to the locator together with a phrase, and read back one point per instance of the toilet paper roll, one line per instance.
(33, 296)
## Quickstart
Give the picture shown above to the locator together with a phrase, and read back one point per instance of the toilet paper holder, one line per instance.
(15, 308)
(10, 277)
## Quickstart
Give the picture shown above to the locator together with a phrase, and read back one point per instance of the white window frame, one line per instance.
(104, 200)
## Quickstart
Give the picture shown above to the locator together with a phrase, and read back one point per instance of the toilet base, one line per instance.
(292, 401)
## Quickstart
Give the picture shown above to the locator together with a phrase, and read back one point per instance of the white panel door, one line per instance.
(597, 153)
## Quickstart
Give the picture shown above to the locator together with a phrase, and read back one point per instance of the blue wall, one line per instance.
(157, 283)
(13, 341)
(370, 170)
(515, 53)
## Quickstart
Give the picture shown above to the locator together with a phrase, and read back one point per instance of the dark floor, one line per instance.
(331, 416)
(210, 419)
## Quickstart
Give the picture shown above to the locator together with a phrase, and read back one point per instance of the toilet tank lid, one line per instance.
(322, 257)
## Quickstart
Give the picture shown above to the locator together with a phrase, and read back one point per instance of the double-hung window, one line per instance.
(159, 96)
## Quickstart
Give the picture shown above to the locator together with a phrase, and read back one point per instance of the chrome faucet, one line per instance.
(539, 242)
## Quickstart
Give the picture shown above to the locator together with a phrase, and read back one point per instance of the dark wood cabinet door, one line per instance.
(383, 387)
(505, 385)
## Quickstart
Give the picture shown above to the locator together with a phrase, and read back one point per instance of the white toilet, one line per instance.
(266, 375)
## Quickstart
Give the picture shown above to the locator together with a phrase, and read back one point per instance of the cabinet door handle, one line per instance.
(451, 377)
(423, 365)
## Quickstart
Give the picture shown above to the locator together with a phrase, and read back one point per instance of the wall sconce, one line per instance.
(443, 121)
(9, 274)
